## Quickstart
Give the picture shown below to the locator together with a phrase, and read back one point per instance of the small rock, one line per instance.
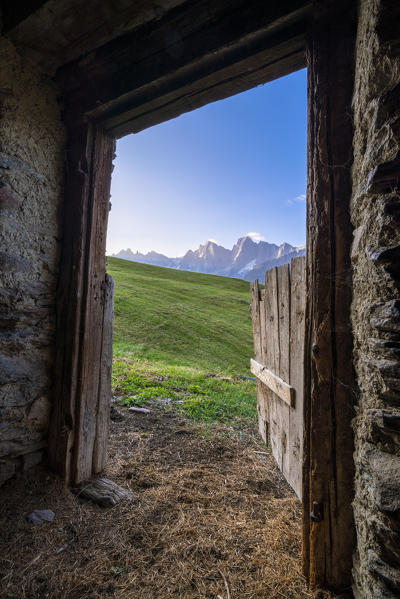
(38, 517)
(164, 399)
(140, 410)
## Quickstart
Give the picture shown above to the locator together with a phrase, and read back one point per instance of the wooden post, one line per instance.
(80, 303)
(329, 378)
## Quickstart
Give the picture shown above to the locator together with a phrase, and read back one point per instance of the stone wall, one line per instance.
(376, 300)
(32, 142)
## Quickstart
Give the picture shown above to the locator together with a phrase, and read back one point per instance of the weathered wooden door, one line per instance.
(278, 315)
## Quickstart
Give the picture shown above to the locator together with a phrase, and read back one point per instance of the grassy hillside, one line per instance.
(184, 339)
(182, 317)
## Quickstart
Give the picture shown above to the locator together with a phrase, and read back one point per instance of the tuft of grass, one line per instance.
(196, 394)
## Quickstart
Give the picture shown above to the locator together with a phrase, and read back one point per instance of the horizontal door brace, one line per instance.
(274, 382)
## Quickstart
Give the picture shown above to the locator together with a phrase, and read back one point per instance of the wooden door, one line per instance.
(278, 314)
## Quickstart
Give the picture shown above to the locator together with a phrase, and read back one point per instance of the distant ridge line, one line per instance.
(248, 259)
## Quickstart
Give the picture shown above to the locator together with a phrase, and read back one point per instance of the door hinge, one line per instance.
(317, 513)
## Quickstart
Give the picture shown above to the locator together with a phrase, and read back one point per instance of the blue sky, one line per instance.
(229, 168)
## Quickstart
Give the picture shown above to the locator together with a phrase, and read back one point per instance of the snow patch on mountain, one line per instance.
(247, 268)
(249, 258)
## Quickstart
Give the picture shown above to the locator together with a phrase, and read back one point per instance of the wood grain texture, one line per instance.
(93, 305)
(279, 323)
(278, 416)
(283, 299)
(296, 377)
(263, 392)
(102, 491)
(80, 304)
(269, 358)
(104, 394)
(255, 318)
(329, 378)
(282, 389)
(196, 53)
(69, 299)
(262, 400)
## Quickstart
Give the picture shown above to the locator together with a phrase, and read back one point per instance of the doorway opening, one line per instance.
(191, 55)
(184, 418)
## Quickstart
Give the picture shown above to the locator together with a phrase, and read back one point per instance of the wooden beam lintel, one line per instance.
(274, 382)
(141, 82)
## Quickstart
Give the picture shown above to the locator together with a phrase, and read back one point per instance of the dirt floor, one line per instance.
(211, 518)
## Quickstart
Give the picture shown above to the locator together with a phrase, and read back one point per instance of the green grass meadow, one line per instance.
(182, 339)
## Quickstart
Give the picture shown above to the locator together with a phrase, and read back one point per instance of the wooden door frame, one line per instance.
(330, 383)
(329, 379)
(73, 440)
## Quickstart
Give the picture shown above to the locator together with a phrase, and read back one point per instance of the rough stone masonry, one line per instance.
(32, 146)
(375, 209)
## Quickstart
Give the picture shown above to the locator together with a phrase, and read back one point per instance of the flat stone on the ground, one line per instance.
(38, 517)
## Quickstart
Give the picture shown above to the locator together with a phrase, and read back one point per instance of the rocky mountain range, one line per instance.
(248, 259)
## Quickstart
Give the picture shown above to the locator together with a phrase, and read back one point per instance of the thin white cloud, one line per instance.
(255, 236)
(297, 200)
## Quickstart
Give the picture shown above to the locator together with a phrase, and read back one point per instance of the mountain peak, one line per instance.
(285, 248)
(248, 259)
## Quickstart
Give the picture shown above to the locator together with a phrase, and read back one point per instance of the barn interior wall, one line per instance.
(375, 209)
(32, 145)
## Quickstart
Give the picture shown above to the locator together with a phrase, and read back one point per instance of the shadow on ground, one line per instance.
(211, 518)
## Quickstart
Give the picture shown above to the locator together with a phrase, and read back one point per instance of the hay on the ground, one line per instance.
(210, 518)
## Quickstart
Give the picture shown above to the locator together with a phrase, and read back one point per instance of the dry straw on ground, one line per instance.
(211, 518)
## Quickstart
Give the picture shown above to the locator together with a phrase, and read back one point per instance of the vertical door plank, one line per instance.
(92, 322)
(269, 358)
(257, 339)
(283, 298)
(104, 395)
(262, 335)
(297, 319)
(272, 354)
(263, 401)
(255, 318)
